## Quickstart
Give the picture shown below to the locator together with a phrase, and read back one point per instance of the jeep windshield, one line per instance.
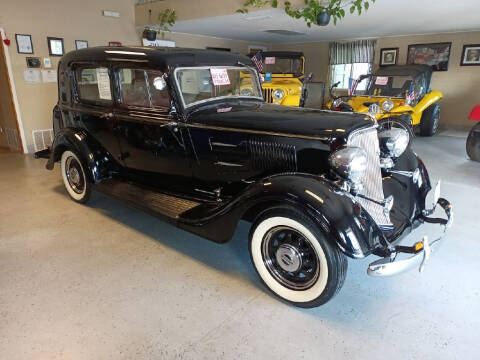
(279, 65)
(204, 84)
(383, 86)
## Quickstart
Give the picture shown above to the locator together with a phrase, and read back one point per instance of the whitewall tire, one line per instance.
(74, 177)
(294, 259)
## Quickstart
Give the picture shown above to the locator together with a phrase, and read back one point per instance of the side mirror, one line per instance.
(159, 83)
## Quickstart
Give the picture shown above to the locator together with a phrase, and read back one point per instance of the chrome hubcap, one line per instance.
(288, 258)
(74, 173)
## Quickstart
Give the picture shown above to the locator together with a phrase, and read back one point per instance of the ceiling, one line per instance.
(384, 18)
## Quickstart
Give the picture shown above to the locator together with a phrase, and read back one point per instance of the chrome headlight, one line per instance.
(350, 163)
(374, 109)
(387, 105)
(394, 141)
(278, 94)
(246, 92)
(337, 102)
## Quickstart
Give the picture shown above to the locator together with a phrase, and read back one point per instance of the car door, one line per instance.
(151, 140)
(92, 110)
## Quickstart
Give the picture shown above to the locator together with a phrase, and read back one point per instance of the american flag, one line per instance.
(410, 96)
(258, 61)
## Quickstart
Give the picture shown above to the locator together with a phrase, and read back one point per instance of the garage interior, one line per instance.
(105, 280)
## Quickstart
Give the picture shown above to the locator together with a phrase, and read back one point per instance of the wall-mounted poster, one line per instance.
(33, 62)
(471, 55)
(388, 56)
(81, 44)
(55, 46)
(436, 55)
(24, 44)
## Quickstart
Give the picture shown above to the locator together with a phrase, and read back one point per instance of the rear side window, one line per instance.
(93, 85)
(143, 88)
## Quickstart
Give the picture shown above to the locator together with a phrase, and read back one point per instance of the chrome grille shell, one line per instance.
(367, 139)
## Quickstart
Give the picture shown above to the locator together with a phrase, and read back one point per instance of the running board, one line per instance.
(164, 205)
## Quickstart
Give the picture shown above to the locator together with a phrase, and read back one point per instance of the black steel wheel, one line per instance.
(74, 177)
(294, 259)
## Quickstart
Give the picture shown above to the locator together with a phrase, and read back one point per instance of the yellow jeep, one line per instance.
(283, 78)
(398, 92)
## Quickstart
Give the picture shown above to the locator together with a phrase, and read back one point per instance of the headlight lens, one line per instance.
(246, 92)
(350, 163)
(387, 105)
(337, 102)
(394, 141)
(374, 109)
(278, 94)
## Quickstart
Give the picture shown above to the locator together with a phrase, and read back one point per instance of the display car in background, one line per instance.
(169, 131)
(283, 74)
(399, 93)
(473, 139)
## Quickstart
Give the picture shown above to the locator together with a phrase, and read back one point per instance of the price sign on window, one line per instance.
(381, 80)
(269, 60)
(220, 77)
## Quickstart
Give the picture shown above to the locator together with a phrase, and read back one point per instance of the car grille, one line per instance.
(267, 95)
(368, 140)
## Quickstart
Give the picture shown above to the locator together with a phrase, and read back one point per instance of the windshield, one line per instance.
(202, 84)
(278, 65)
(391, 86)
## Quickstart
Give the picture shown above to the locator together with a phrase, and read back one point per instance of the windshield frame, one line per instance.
(301, 58)
(179, 88)
(369, 76)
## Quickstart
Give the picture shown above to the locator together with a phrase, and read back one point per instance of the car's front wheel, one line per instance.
(294, 259)
(473, 143)
(74, 177)
(430, 120)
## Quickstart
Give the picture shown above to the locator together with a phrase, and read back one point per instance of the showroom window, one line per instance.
(346, 74)
(93, 85)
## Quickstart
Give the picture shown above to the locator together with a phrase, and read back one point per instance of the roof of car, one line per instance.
(282, 54)
(405, 70)
(156, 56)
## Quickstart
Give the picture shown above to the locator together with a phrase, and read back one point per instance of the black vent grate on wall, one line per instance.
(271, 156)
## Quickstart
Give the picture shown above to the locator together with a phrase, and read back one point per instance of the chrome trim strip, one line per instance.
(224, 163)
(214, 143)
(261, 132)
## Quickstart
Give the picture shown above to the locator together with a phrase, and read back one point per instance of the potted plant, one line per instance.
(166, 19)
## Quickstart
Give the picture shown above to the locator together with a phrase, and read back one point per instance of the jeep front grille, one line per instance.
(372, 187)
(267, 95)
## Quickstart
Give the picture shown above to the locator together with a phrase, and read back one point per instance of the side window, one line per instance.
(93, 85)
(133, 85)
(158, 89)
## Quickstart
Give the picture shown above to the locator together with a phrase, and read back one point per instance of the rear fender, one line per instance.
(343, 221)
(475, 114)
(97, 160)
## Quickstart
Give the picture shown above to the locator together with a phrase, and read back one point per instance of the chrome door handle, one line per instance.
(107, 115)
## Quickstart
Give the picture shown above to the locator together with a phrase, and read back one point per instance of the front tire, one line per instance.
(473, 143)
(74, 177)
(430, 120)
(294, 259)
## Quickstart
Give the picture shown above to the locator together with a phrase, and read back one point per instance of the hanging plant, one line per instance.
(315, 11)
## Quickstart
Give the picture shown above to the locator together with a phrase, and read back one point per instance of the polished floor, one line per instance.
(106, 281)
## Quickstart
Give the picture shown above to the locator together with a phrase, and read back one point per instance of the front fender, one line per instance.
(96, 159)
(343, 221)
(428, 99)
(475, 114)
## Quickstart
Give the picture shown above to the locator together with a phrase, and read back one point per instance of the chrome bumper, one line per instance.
(420, 251)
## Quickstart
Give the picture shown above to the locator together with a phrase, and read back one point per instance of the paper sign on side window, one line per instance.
(381, 80)
(103, 83)
(269, 60)
(220, 77)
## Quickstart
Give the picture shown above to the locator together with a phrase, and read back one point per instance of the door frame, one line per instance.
(13, 92)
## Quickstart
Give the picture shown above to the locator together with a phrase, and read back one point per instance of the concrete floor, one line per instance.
(106, 281)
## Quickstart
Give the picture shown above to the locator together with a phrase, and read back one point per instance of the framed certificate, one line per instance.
(55, 46)
(81, 44)
(24, 43)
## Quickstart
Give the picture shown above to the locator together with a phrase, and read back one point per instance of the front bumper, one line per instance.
(420, 251)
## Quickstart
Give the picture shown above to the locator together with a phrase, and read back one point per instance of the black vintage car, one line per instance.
(186, 135)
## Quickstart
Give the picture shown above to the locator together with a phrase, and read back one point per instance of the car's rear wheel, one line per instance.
(294, 259)
(473, 143)
(74, 178)
(430, 120)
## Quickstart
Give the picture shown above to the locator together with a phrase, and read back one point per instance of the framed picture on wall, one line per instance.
(253, 49)
(388, 56)
(436, 55)
(471, 55)
(55, 46)
(81, 44)
(24, 43)
(33, 62)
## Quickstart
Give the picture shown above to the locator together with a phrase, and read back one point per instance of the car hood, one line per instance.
(279, 120)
